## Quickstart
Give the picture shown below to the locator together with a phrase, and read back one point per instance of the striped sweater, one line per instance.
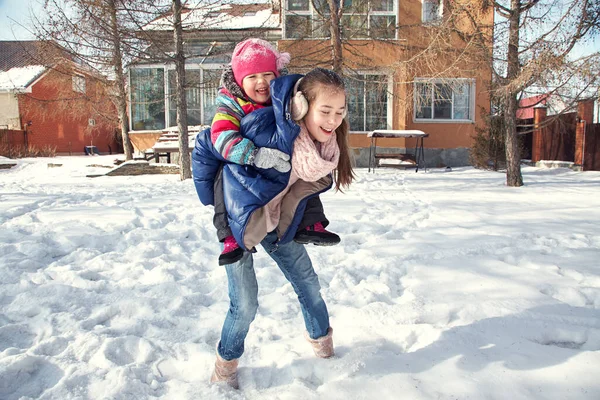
(225, 128)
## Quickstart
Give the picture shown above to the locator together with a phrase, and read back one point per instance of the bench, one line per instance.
(398, 160)
(395, 159)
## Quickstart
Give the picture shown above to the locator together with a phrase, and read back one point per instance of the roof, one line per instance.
(554, 103)
(21, 63)
(222, 17)
(526, 105)
(19, 78)
(15, 54)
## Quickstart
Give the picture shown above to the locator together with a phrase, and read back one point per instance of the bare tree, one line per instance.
(528, 51)
(533, 46)
(179, 58)
(99, 36)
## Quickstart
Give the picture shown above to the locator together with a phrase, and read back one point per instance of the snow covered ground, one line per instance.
(447, 285)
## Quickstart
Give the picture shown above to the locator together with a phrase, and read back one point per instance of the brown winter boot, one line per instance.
(225, 371)
(323, 346)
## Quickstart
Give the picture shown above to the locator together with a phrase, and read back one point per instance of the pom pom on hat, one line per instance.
(256, 55)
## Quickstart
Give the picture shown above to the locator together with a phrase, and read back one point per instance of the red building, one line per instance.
(54, 103)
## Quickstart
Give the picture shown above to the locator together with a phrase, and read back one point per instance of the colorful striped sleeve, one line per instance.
(225, 131)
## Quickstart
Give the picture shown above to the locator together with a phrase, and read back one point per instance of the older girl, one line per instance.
(267, 207)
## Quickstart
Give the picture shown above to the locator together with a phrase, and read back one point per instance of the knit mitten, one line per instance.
(264, 157)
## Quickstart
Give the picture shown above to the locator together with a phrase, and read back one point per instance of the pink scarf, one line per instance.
(311, 161)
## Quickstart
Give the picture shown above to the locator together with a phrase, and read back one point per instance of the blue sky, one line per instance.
(17, 10)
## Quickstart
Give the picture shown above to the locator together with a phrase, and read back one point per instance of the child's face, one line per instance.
(325, 114)
(256, 86)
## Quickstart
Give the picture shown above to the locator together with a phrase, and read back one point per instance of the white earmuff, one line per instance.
(298, 103)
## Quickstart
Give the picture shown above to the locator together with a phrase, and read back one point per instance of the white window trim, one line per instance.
(311, 12)
(389, 100)
(471, 82)
(434, 21)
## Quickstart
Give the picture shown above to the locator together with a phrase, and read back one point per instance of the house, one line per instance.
(553, 103)
(442, 96)
(50, 102)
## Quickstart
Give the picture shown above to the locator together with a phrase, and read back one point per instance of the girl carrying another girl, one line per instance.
(266, 206)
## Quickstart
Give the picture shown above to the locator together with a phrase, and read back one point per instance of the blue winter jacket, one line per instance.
(248, 189)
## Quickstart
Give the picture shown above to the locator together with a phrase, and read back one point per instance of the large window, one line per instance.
(147, 98)
(148, 102)
(361, 19)
(444, 100)
(192, 92)
(367, 102)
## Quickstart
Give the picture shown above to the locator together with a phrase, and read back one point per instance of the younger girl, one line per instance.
(320, 149)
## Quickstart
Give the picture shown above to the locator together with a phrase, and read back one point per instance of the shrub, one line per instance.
(22, 151)
(488, 150)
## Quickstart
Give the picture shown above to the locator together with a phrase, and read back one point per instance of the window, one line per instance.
(192, 92)
(210, 89)
(201, 93)
(147, 98)
(148, 102)
(450, 99)
(361, 19)
(367, 102)
(78, 83)
(432, 11)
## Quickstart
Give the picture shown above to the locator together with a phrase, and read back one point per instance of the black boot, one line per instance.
(232, 253)
(317, 235)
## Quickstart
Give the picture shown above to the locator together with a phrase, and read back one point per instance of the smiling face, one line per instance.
(325, 113)
(256, 86)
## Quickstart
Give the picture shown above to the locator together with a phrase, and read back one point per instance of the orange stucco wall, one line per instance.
(390, 55)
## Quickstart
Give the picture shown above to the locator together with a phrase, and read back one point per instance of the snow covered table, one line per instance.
(418, 158)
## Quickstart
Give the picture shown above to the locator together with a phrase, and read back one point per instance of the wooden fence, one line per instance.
(554, 137)
(569, 137)
(12, 142)
(591, 147)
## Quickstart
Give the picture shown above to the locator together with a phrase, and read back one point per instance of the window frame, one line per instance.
(448, 81)
(439, 16)
(79, 84)
(313, 16)
(389, 98)
(203, 92)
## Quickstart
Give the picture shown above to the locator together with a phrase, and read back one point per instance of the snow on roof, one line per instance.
(222, 16)
(20, 78)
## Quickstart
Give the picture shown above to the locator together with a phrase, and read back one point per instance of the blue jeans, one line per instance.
(294, 262)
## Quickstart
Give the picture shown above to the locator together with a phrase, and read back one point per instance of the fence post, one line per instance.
(585, 115)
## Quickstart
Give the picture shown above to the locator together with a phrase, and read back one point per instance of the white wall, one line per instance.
(9, 111)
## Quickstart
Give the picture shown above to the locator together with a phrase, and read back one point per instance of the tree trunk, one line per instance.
(335, 8)
(121, 102)
(513, 151)
(513, 156)
(185, 171)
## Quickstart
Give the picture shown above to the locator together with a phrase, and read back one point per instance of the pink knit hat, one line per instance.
(256, 55)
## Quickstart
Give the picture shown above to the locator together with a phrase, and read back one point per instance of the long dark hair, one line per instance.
(311, 85)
